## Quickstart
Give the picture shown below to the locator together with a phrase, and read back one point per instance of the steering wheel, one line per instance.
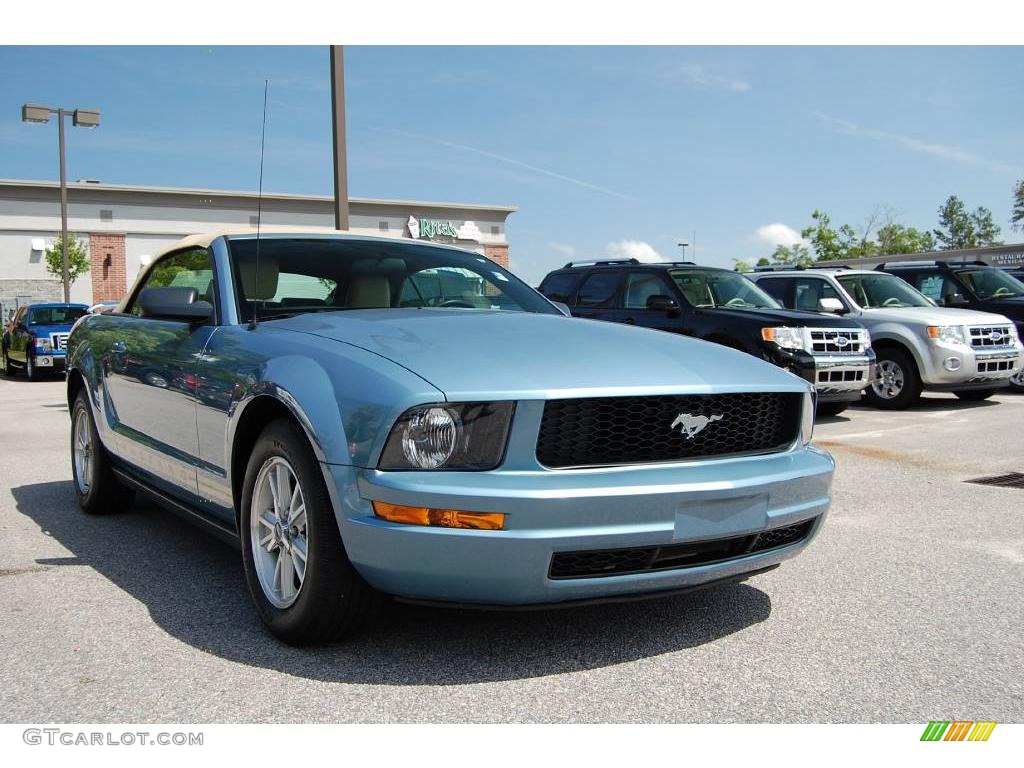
(456, 303)
(735, 301)
(892, 301)
(1002, 291)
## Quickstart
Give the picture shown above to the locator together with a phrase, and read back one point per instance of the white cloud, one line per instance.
(634, 249)
(563, 248)
(946, 151)
(778, 234)
(699, 75)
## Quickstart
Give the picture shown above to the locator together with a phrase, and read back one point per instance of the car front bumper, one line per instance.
(836, 378)
(49, 362)
(549, 512)
(951, 367)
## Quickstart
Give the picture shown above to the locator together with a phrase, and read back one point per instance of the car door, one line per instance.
(639, 287)
(149, 370)
(598, 295)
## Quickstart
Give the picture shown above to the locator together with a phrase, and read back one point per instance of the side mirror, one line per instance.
(662, 303)
(563, 308)
(174, 304)
(832, 305)
(955, 300)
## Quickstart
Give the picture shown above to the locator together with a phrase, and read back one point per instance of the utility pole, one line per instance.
(338, 123)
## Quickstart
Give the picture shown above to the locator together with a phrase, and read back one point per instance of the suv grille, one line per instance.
(59, 340)
(615, 562)
(637, 430)
(839, 341)
(991, 336)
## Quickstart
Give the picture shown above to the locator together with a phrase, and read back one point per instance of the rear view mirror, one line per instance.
(174, 304)
(661, 303)
(831, 305)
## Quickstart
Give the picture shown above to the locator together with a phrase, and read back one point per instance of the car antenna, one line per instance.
(259, 207)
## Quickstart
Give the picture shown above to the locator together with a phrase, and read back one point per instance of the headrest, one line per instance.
(266, 287)
(369, 292)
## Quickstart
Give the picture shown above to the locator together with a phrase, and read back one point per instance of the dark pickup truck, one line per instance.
(724, 307)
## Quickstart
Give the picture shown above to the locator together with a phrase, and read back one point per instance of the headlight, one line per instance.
(469, 436)
(43, 345)
(787, 338)
(807, 422)
(951, 334)
(866, 335)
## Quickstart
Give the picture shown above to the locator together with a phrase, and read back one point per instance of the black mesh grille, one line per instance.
(636, 430)
(611, 562)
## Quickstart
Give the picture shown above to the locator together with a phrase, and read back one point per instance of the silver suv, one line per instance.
(918, 345)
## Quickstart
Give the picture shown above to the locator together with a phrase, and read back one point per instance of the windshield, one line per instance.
(881, 290)
(991, 283)
(706, 288)
(55, 315)
(298, 275)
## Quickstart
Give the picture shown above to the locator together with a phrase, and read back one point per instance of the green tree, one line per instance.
(827, 243)
(894, 238)
(1017, 216)
(78, 258)
(960, 229)
(796, 255)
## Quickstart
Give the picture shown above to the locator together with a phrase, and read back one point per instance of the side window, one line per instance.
(809, 291)
(599, 289)
(640, 286)
(778, 289)
(560, 287)
(185, 269)
(937, 287)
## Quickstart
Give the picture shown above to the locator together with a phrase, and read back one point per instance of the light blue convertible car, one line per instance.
(370, 417)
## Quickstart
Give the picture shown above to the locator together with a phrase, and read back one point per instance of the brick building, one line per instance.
(124, 226)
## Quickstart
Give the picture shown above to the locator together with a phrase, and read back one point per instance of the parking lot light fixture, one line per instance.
(82, 118)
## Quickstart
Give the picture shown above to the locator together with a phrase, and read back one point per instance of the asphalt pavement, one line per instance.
(905, 609)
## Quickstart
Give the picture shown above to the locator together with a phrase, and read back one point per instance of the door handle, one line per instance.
(629, 321)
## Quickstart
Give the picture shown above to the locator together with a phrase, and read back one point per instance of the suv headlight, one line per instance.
(785, 337)
(468, 436)
(807, 420)
(951, 334)
(43, 345)
(866, 336)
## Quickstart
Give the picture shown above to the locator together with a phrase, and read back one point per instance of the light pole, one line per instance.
(83, 118)
(683, 246)
(338, 128)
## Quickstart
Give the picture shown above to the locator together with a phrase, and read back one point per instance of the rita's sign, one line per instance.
(428, 228)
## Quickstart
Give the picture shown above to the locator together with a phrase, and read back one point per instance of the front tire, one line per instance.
(305, 588)
(1017, 381)
(98, 490)
(975, 395)
(897, 384)
(30, 370)
(8, 367)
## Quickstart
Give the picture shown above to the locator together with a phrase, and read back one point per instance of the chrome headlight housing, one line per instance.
(466, 436)
(866, 337)
(784, 336)
(42, 345)
(951, 334)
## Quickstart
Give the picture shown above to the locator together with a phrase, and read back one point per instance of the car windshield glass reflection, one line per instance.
(875, 291)
(721, 289)
(296, 276)
(991, 283)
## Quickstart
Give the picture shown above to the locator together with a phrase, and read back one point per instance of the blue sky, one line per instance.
(604, 150)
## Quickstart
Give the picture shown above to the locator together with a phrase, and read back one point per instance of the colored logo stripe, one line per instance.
(958, 730)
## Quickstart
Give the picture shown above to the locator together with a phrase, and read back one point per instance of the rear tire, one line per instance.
(897, 384)
(305, 588)
(8, 367)
(975, 395)
(831, 409)
(99, 492)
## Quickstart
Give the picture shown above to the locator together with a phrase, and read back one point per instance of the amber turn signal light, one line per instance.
(442, 518)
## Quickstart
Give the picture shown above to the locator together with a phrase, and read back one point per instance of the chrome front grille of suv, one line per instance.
(837, 341)
(983, 336)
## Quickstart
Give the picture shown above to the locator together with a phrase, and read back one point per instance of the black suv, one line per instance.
(965, 284)
(721, 306)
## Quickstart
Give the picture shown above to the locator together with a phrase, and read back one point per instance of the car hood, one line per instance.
(44, 331)
(788, 317)
(1012, 307)
(932, 316)
(517, 355)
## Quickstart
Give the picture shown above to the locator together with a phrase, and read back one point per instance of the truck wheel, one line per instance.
(831, 409)
(1017, 381)
(98, 490)
(975, 394)
(8, 368)
(30, 369)
(300, 578)
(897, 384)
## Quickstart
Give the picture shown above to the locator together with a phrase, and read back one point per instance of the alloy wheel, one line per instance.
(278, 532)
(82, 451)
(889, 380)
